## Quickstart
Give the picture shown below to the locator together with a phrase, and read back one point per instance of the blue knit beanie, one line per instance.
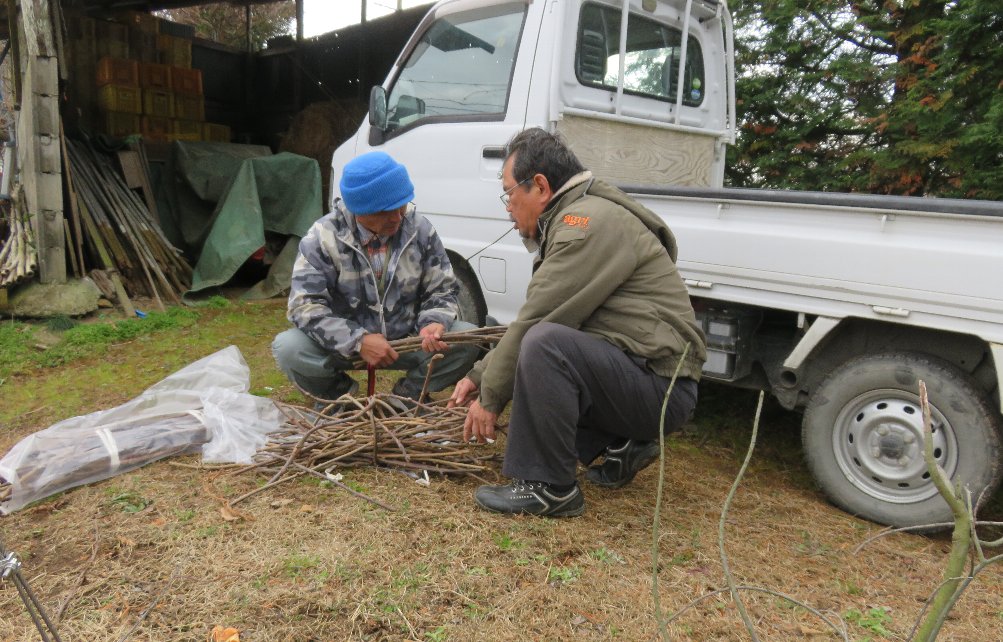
(373, 183)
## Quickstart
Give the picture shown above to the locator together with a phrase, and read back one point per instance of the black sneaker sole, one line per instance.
(573, 512)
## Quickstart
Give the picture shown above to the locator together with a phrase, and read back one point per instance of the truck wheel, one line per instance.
(863, 438)
(472, 307)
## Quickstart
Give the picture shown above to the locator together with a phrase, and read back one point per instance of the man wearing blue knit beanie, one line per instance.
(371, 271)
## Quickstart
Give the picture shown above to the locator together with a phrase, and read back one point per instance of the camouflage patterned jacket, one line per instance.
(334, 299)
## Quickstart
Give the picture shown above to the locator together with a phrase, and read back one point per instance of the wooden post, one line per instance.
(247, 27)
(38, 135)
(299, 21)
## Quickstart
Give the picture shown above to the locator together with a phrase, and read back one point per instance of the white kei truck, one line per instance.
(837, 304)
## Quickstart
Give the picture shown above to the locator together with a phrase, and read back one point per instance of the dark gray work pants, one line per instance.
(574, 395)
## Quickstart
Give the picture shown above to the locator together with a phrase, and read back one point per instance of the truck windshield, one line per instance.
(651, 65)
(460, 69)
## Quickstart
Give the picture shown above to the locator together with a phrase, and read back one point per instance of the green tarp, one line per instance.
(219, 200)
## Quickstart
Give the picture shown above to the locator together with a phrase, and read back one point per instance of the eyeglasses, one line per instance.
(507, 195)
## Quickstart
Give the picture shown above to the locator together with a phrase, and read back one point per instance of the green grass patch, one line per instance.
(873, 620)
(19, 354)
(128, 501)
(295, 566)
(607, 556)
(563, 574)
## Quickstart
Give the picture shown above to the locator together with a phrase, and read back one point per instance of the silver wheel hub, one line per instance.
(878, 443)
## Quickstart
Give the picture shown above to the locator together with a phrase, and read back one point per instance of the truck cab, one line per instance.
(476, 72)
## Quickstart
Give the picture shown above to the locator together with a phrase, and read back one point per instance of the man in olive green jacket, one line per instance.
(606, 323)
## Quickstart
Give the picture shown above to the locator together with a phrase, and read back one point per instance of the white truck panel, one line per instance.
(928, 269)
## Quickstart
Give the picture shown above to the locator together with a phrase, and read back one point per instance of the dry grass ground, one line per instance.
(305, 562)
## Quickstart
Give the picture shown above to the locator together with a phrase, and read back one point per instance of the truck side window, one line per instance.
(461, 68)
(651, 67)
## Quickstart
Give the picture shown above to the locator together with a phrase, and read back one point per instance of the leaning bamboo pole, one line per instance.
(122, 224)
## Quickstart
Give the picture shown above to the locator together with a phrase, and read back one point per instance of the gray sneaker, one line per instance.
(406, 396)
(333, 406)
(531, 498)
(622, 463)
(404, 388)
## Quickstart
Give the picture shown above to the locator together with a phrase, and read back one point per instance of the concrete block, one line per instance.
(49, 155)
(43, 72)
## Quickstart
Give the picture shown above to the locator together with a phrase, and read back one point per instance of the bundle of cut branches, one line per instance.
(57, 459)
(374, 431)
(18, 257)
(483, 337)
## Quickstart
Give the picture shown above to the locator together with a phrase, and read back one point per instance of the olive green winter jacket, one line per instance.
(606, 266)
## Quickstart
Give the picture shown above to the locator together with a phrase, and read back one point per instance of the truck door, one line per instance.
(454, 98)
(458, 91)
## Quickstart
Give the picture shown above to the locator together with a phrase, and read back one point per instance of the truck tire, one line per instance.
(472, 307)
(863, 438)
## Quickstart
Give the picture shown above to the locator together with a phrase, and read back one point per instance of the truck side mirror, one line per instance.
(378, 108)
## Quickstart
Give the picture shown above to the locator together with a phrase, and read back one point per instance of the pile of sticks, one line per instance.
(120, 231)
(18, 258)
(427, 438)
(382, 430)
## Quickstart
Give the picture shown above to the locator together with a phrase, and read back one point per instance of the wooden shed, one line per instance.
(157, 80)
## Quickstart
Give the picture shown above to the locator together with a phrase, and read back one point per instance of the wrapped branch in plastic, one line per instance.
(202, 406)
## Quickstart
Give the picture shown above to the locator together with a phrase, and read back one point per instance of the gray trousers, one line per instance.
(322, 373)
(575, 395)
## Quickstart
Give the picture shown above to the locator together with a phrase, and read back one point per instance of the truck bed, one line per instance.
(917, 261)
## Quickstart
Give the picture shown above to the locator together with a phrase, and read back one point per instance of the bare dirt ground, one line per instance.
(149, 555)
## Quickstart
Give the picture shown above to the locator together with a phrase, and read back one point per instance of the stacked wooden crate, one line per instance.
(189, 104)
(158, 101)
(119, 98)
(145, 81)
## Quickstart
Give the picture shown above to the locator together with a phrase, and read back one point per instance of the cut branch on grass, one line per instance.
(82, 575)
(333, 479)
(156, 600)
(724, 516)
(838, 626)
(659, 618)
(733, 589)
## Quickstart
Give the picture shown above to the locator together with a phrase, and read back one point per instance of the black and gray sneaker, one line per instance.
(622, 463)
(333, 406)
(531, 498)
(406, 396)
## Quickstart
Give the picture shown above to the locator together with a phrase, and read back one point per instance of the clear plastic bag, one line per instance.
(239, 425)
(205, 404)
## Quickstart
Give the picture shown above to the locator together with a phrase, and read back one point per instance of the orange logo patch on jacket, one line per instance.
(576, 221)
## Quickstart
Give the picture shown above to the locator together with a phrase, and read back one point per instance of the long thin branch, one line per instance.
(923, 527)
(142, 616)
(838, 630)
(724, 516)
(80, 578)
(662, 626)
